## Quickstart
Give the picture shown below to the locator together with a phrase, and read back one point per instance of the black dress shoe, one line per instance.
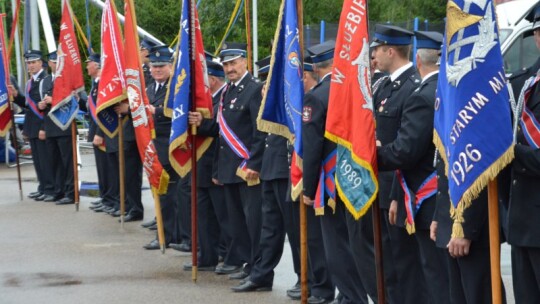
(46, 198)
(34, 194)
(96, 203)
(295, 292)
(94, 207)
(41, 197)
(318, 300)
(188, 266)
(116, 213)
(184, 247)
(102, 208)
(132, 217)
(149, 224)
(65, 201)
(154, 227)
(239, 275)
(52, 198)
(249, 286)
(154, 245)
(227, 269)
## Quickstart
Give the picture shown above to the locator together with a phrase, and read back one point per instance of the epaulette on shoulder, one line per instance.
(519, 73)
(414, 78)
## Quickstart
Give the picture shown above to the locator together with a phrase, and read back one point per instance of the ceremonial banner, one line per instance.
(177, 101)
(68, 77)
(281, 108)
(350, 122)
(112, 86)
(473, 128)
(143, 121)
(5, 110)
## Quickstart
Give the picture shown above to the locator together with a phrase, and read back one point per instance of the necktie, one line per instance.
(159, 86)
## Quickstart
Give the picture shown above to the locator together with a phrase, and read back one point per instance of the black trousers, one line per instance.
(320, 282)
(339, 255)
(244, 211)
(112, 180)
(432, 260)
(404, 279)
(361, 243)
(169, 203)
(212, 224)
(183, 210)
(276, 217)
(133, 178)
(44, 171)
(526, 274)
(101, 167)
(470, 277)
(61, 151)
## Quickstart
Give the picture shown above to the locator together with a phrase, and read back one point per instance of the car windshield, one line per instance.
(504, 33)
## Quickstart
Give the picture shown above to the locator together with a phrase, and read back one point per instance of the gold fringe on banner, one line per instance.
(456, 213)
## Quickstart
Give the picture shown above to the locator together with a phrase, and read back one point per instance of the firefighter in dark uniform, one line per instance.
(391, 48)
(144, 51)
(160, 66)
(320, 285)
(132, 167)
(524, 209)
(411, 152)
(337, 231)
(111, 176)
(276, 209)
(212, 220)
(38, 86)
(238, 169)
(59, 146)
(93, 69)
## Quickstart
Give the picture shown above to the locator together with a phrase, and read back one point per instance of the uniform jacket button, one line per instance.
(514, 182)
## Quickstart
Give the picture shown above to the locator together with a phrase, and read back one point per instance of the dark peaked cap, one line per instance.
(232, 50)
(215, 69)
(53, 56)
(94, 57)
(32, 55)
(322, 52)
(160, 55)
(264, 65)
(391, 35)
(147, 44)
(428, 40)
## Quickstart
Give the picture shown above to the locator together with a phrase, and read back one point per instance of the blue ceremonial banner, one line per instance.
(182, 91)
(177, 99)
(473, 129)
(281, 108)
(63, 115)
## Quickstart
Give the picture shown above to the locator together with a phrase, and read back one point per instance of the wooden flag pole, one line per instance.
(194, 236)
(303, 207)
(75, 164)
(377, 238)
(5, 62)
(494, 242)
(121, 166)
(159, 220)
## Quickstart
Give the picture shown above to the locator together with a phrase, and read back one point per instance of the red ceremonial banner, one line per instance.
(143, 121)
(68, 78)
(112, 86)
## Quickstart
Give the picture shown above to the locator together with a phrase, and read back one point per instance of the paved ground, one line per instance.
(52, 254)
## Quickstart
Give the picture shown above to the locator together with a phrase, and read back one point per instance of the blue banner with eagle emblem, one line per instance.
(182, 92)
(281, 108)
(473, 129)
